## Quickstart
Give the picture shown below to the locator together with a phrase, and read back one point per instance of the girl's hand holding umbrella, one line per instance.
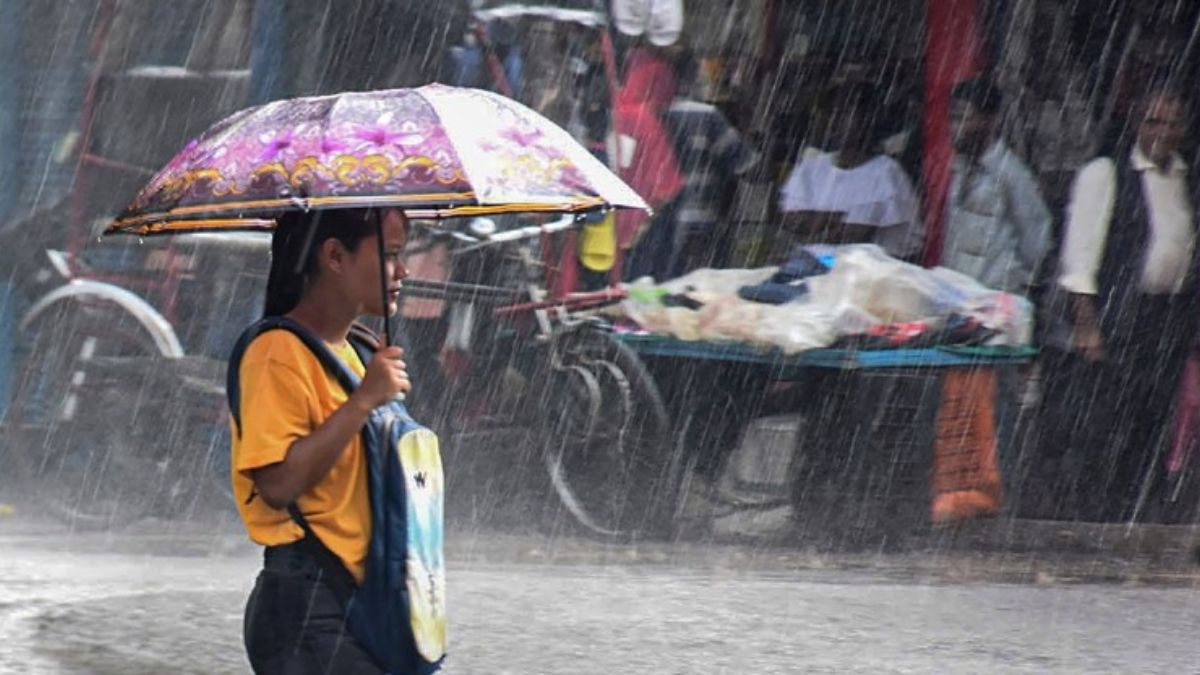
(386, 378)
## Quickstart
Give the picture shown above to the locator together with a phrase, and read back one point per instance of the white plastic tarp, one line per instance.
(865, 288)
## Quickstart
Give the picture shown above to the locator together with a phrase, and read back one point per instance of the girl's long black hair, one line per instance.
(298, 236)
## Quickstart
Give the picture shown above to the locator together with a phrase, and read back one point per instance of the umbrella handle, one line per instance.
(383, 287)
(383, 282)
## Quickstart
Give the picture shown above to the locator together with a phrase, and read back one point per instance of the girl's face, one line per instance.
(361, 268)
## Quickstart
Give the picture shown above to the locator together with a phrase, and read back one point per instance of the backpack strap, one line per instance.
(368, 337)
(341, 581)
(335, 366)
(364, 341)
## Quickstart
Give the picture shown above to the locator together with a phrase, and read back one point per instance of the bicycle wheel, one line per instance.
(86, 372)
(607, 438)
(196, 460)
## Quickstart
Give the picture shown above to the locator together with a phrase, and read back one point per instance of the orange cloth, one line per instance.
(966, 479)
(286, 395)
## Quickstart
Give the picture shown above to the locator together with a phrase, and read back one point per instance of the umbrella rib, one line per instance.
(182, 212)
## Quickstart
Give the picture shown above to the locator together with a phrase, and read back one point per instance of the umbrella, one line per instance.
(434, 151)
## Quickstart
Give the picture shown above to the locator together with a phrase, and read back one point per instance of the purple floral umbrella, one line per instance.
(434, 151)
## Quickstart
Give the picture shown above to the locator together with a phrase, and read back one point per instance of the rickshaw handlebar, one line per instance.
(475, 242)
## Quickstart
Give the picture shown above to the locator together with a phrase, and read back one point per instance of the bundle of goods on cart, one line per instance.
(825, 296)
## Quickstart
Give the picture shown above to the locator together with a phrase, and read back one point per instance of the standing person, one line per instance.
(997, 232)
(646, 160)
(854, 194)
(299, 439)
(712, 156)
(1128, 267)
(997, 226)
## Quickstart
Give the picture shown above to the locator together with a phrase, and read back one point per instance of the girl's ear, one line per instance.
(331, 254)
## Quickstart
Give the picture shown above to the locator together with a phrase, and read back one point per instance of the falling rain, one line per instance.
(745, 336)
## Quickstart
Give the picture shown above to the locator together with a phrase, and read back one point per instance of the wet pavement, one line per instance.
(167, 597)
(748, 592)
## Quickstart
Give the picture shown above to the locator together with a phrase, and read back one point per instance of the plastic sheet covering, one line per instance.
(865, 288)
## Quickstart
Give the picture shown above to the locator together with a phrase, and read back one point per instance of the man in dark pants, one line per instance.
(1127, 267)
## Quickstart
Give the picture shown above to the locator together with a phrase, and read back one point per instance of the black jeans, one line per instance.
(295, 623)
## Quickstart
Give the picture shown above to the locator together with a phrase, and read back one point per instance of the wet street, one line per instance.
(168, 598)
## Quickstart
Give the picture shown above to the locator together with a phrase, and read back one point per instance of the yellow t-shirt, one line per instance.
(285, 395)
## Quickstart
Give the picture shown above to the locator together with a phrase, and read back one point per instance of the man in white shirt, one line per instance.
(997, 226)
(1127, 265)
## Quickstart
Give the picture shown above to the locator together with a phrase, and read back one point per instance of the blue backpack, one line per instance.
(398, 613)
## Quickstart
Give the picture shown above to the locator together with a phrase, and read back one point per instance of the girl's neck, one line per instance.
(849, 158)
(328, 320)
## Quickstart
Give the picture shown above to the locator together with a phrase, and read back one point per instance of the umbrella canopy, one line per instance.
(434, 151)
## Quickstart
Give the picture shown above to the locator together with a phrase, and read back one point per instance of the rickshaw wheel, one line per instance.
(607, 438)
(87, 406)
